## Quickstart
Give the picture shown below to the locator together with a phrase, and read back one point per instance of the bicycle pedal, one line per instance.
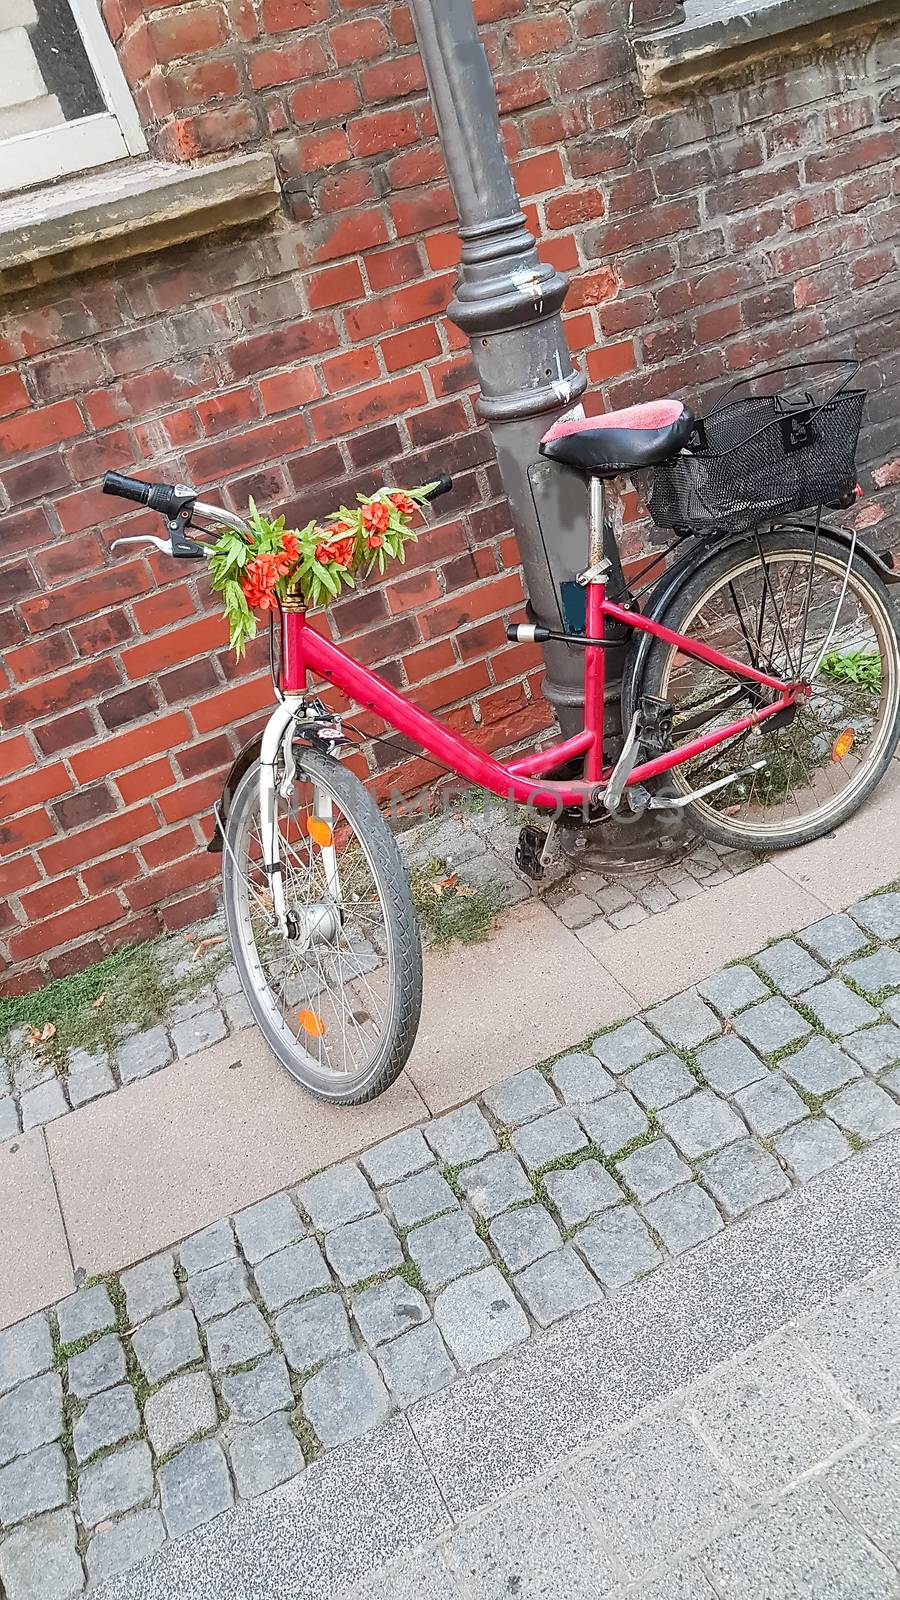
(529, 852)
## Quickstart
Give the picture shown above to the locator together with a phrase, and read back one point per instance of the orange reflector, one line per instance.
(842, 744)
(320, 832)
(311, 1023)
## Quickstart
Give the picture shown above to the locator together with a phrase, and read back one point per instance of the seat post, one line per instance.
(595, 549)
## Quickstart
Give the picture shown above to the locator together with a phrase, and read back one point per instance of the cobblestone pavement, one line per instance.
(774, 1477)
(144, 1405)
(35, 1090)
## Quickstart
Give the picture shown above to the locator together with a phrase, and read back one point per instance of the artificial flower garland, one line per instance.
(254, 571)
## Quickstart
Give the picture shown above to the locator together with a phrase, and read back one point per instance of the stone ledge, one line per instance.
(717, 40)
(127, 210)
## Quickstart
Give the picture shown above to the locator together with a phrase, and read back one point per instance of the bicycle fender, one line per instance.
(242, 761)
(697, 557)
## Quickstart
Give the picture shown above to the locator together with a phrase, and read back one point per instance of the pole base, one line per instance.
(624, 846)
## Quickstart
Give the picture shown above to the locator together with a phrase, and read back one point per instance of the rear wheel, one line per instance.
(807, 770)
(339, 1000)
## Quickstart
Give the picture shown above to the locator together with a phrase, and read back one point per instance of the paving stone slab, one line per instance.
(101, 1366)
(268, 1226)
(877, 972)
(109, 1418)
(33, 1483)
(142, 1054)
(446, 1248)
(652, 1490)
(875, 1048)
(812, 1147)
(626, 1046)
(258, 1391)
(83, 1313)
(819, 1067)
(803, 1546)
(480, 1318)
(336, 1197)
(117, 1483)
(548, 1139)
(495, 1184)
(397, 1158)
(346, 1399)
(359, 1250)
(263, 1455)
(210, 1248)
(198, 1033)
(837, 1008)
(834, 938)
(742, 1176)
(523, 1235)
(557, 1286)
(580, 1079)
(865, 1110)
(770, 1105)
(771, 1025)
(683, 1217)
(617, 1247)
(731, 989)
(681, 1583)
(879, 915)
(219, 1289)
(537, 1545)
(660, 1082)
(461, 1136)
(115, 1550)
(685, 1021)
(771, 1418)
(789, 966)
(30, 1415)
(291, 1274)
(578, 1193)
(314, 1331)
(389, 1309)
(150, 1287)
(236, 1338)
(414, 1199)
(90, 1085)
(517, 1099)
(40, 1561)
(653, 1169)
(701, 1124)
(867, 1483)
(9, 1119)
(26, 1350)
(614, 1122)
(857, 1338)
(729, 1064)
(183, 1409)
(194, 1487)
(165, 1343)
(43, 1104)
(416, 1364)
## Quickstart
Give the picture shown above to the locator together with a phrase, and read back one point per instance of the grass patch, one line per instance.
(306, 1436)
(451, 910)
(76, 1347)
(856, 1141)
(411, 1275)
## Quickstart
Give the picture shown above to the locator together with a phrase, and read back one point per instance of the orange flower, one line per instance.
(376, 517)
(375, 541)
(337, 550)
(403, 503)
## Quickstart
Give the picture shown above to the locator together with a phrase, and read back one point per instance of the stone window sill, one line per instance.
(718, 39)
(127, 210)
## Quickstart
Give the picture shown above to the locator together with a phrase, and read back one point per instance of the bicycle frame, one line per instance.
(305, 652)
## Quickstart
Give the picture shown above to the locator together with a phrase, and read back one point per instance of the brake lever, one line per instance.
(145, 538)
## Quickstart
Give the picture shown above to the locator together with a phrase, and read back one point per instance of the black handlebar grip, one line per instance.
(127, 488)
(443, 486)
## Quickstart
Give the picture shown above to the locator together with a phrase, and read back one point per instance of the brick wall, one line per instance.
(303, 359)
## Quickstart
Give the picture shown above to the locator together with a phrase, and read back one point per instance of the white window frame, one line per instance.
(34, 158)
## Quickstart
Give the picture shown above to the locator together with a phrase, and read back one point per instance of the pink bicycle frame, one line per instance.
(305, 652)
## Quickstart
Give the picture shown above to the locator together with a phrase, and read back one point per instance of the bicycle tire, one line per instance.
(401, 924)
(687, 604)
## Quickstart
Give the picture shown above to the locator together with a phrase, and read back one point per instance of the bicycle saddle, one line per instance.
(620, 441)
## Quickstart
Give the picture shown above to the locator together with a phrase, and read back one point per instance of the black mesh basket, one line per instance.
(761, 458)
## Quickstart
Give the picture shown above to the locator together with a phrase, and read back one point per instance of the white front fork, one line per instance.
(278, 739)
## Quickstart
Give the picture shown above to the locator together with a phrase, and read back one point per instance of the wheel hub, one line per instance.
(314, 924)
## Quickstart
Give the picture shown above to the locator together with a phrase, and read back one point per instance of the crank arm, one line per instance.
(676, 802)
(623, 768)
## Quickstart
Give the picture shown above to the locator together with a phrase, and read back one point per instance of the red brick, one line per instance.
(97, 593)
(51, 898)
(112, 872)
(219, 710)
(592, 289)
(359, 41)
(23, 831)
(171, 846)
(91, 914)
(568, 210)
(44, 783)
(16, 754)
(382, 130)
(503, 592)
(409, 348)
(279, 15)
(610, 361)
(59, 693)
(416, 303)
(113, 755)
(305, 58)
(350, 369)
(13, 394)
(63, 733)
(250, 448)
(82, 849)
(190, 798)
(34, 430)
(393, 80)
(334, 286)
(190, 86)
(539, 36)
(287, 390)
(146, 781)
(188, 32)
(35, 660)
(854, 157)
(329, 101)
(518, 89)
(388, 399)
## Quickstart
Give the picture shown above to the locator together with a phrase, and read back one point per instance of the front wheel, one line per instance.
(777, 604)
(338, 1000)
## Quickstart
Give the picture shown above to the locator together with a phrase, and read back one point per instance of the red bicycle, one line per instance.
(763, 686)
